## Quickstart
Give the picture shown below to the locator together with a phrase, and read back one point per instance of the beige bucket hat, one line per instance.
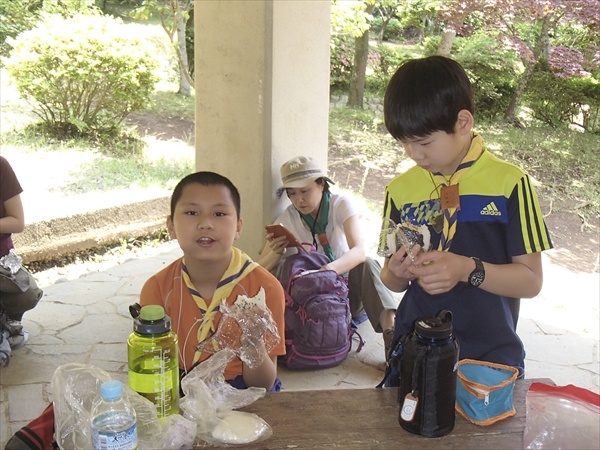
(299, 172)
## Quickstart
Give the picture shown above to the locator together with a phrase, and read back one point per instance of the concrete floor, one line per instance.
(85, 318)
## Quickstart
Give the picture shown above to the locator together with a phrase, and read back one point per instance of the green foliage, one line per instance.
(341, 61)
(20, 15)
(491, 70)
(17, 16)
(116, 143)
(558, 101)
(589, 107)
(393, 30)
(384, 62)
(106, 174)
(353, 131)
(81, 74)
(420, 14)
(564, 162)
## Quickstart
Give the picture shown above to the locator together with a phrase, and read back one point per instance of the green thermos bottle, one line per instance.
(152, 355)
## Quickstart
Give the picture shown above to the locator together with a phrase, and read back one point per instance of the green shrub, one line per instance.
(17, 16)
(558, 101)
(490, 68)
(393, 30)
(384, 61)
(81, 74)
(341, 61)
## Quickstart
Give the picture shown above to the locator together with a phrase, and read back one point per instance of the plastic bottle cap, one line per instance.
(433, 328)
(152, 312)
(152, 321)
(111, 390)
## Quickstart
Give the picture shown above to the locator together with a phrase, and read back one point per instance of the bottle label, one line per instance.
(115, 440)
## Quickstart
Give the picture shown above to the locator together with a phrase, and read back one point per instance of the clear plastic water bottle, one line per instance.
(153, 354)
(113, 420)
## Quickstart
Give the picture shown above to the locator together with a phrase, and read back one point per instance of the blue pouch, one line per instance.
(484, 391)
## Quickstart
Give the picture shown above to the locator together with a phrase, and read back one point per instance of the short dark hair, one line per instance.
(424, 96)
(206, 179)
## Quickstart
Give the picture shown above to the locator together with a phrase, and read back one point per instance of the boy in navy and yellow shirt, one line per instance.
(487, 230)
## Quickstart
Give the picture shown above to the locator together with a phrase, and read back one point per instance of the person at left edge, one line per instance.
(205, 220)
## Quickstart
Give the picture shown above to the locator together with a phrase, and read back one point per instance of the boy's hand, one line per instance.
(438, 272)
(400, 262)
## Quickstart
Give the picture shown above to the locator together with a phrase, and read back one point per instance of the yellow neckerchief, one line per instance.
(239, 266)
(451, 214)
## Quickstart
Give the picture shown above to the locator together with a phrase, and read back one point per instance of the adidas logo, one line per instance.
(490, 210)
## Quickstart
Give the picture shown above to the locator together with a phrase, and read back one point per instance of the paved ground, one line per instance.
(83, 317)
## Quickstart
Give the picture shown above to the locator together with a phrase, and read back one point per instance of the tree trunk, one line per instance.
(185, 81)
(359, 71)
(446, 43)
(384, 25)
(510, 114)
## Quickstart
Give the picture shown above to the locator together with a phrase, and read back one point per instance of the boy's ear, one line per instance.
(238, 231)
(171, 228)
(464, 122)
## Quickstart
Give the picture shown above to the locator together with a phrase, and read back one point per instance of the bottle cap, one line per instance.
(152, 321)
(111, 390)
(433, 328)
(152, 312)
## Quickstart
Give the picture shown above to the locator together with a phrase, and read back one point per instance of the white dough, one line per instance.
(239, 428)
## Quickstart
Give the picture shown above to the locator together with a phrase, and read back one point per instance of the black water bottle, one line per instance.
(428, 377)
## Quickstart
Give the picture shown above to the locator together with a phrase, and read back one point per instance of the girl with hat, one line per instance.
(332, 224)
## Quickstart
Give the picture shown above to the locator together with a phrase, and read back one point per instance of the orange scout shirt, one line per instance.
(166, 288)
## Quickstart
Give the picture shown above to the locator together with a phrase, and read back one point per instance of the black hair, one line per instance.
(206, 179)
(424, 96)
(320, 181)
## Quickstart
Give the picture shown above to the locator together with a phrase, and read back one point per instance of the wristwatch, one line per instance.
(477, 276)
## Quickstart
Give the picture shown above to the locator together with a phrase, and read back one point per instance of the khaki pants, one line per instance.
(367, 293)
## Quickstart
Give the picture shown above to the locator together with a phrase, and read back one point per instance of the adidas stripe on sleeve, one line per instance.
(527, 220)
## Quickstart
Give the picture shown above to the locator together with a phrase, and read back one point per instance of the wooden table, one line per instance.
(368, 419)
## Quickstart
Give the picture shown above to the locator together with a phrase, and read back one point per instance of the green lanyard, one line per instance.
(317, 226)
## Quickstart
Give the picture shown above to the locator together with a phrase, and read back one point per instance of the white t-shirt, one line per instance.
(340, 210)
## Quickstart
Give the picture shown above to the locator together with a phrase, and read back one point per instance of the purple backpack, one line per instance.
(317, 313)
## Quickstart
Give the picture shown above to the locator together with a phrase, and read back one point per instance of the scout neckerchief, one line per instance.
(317, 226)
(450, 196)
(239, 266)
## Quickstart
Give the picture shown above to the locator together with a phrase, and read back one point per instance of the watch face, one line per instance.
(476, 279)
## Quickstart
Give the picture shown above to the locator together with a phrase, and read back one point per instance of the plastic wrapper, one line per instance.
(75, 388)
(178, 433)
(209, 402)
(392, 237)
(561, 417)
(245, 326)
(11, 261)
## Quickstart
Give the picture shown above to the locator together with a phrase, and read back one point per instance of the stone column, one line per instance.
(262, 97)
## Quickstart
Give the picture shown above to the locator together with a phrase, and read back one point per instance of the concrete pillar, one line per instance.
(262, 97)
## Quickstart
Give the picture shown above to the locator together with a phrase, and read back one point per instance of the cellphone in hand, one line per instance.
(279, 230)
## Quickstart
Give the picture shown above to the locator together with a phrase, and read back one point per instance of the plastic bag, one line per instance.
(209, 402)
(245, 325)
(561, 417)
(392, 237)
(75, 388)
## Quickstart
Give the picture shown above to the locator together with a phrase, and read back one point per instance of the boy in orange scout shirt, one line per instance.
(205, 220)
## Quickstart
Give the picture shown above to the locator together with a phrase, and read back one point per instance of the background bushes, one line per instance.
(81, 74)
